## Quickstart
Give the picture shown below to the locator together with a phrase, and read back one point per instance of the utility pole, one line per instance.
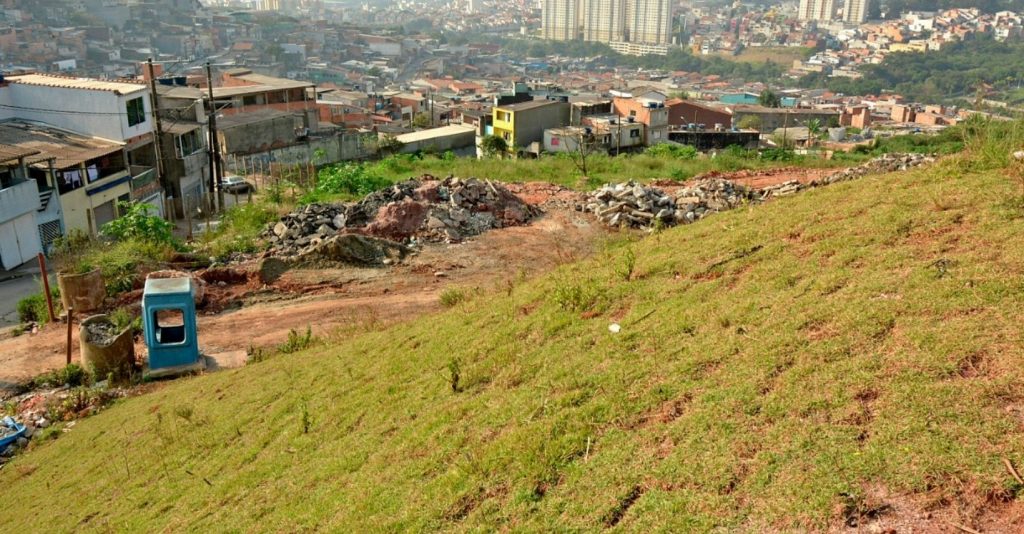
(158, 142)
(215, 170)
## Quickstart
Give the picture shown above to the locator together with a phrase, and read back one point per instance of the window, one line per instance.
(632, 113)
(189, 143)
(136, 111)
(634, 133)
(69, 180)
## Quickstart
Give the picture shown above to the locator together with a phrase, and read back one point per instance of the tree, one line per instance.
(769, 99)
(493, 145)
(389, 144)
(585, 144)
(750, 122)
(813, 131)
(421, 120)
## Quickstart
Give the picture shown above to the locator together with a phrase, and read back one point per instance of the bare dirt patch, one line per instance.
(241, 311)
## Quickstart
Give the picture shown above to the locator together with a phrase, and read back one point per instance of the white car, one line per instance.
(235, 184)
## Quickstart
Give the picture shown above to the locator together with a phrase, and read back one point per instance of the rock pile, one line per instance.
(631, 204)
(424, 209)
(880, 165)
(638, 206)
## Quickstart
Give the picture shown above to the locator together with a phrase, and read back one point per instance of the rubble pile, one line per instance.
(424, 209)
(883, 164)
(638, 206)
(630, 204)
(714, 195)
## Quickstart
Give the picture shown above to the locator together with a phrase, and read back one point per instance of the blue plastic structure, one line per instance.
(19, 431)
(169, 327)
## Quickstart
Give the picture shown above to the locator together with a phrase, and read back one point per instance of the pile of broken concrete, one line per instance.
(637, 206)
(410, 212)
(881, 165)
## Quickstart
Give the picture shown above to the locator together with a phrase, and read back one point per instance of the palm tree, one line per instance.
(813, 131)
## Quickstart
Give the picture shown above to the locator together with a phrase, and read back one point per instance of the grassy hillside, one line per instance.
(775, 363)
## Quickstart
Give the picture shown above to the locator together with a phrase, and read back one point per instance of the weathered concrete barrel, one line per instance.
(104, 349)
(84, 292)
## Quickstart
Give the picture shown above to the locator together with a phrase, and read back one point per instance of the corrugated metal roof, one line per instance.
(13, 153)
(68, 149)
(67, 82)
(180, 127)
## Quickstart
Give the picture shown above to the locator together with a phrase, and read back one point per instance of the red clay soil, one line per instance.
(240, 312)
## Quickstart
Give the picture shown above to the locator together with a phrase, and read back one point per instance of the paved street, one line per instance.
(16, 285)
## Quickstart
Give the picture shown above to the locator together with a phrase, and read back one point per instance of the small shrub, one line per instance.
(122, 318)
(136, 223)
(452, 296)
(628, 266)
(575, 296)
(80, 402)
(73, 375)
(669, 150)
(454, 374)
(297, 342)
(351, 179)
(33, 309)
(305, 419)
(119, 262)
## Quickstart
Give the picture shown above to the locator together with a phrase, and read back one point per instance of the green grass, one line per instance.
(774, 364)
(560, 169)
(239, 230)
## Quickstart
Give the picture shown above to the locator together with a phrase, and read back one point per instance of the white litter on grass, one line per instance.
(614, 328)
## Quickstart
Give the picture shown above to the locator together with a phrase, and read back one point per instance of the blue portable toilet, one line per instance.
(169, 327)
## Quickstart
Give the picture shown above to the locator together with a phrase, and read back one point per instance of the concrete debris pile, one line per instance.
(880, 165)
(637, 206)
(424, 209)
(631, 204)
(712, 195)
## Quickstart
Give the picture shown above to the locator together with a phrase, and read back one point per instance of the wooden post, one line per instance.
(71, 314)
(46, 286)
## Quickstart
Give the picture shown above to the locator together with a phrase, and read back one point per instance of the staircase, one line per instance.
(44, 199)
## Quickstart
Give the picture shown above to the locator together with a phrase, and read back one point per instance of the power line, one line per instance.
(73, 112)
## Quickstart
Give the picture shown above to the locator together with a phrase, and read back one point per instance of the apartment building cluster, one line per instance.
(867, 44)
(635, 27)
(853, 11)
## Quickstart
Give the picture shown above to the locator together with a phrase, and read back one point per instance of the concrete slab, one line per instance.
(178, 370)
(226, 360)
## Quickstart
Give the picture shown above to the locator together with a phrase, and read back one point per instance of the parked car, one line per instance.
(236, 184)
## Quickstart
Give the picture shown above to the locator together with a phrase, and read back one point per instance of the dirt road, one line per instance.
(329, 299)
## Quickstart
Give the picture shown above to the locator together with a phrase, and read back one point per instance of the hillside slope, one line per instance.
(776, 367)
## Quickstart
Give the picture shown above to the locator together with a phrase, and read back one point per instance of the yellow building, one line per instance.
(524, 123)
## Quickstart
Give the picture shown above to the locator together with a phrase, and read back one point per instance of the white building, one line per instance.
(106, 126)
(648, 21)
(609, 21)
(559, 19)
(603, 20)
(816, 9)
(19, 200)
(856, 11)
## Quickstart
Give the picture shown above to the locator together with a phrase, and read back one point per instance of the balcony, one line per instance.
(142, 176)
(19, 198)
